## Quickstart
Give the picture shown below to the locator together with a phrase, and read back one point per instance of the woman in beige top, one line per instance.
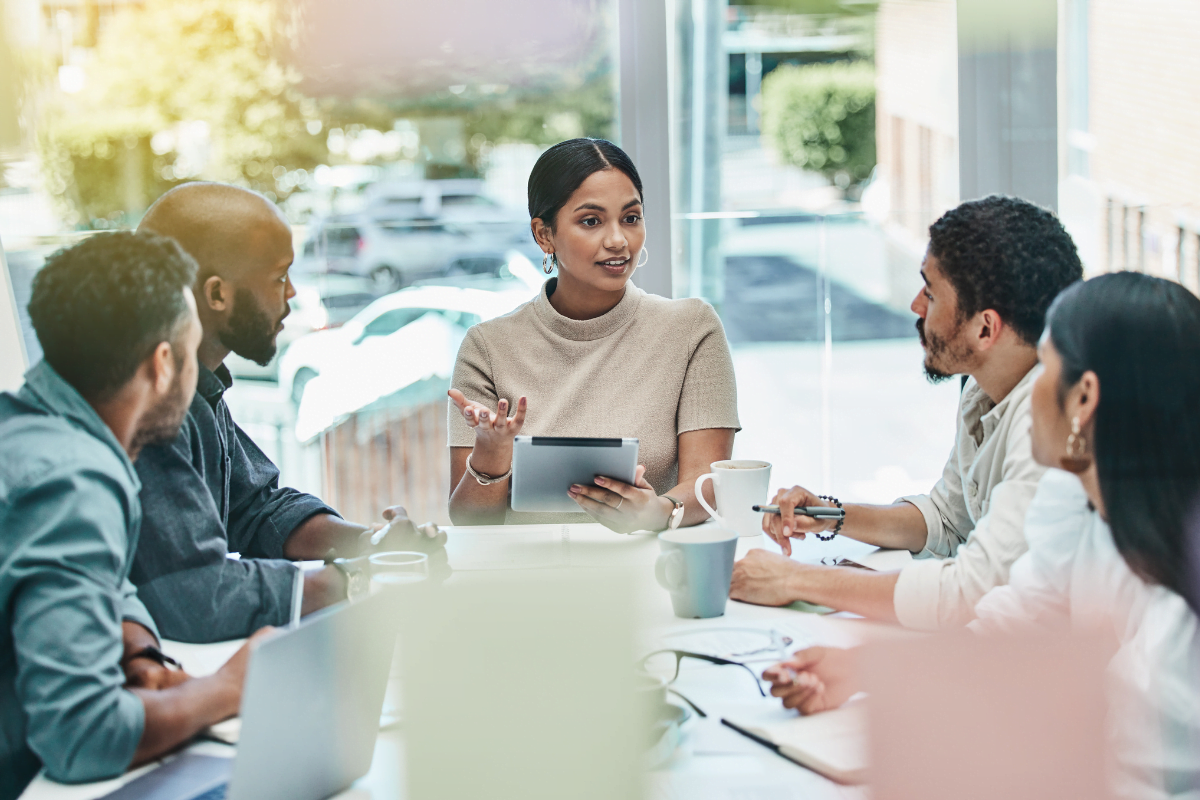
(593, 355)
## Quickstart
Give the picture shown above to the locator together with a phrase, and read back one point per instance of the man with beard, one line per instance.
(211, 491)
(84, 690)
(992, 268)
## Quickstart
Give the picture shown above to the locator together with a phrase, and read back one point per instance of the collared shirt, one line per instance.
(69, 518)
(975, 515)
(207, 494)
(1073, 578)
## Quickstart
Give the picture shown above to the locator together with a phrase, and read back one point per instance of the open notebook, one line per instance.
(833, 743)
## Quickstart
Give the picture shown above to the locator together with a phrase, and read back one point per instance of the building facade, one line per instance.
(1129, 159)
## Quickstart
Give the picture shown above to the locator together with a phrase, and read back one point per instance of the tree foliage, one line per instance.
(163, 64)
(822, 117)
(184, 90)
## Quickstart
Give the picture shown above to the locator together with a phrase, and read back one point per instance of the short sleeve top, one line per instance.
(651, 368)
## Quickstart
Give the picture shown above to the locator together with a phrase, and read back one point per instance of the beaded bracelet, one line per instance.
(836, 528)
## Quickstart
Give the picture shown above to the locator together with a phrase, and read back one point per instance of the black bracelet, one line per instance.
(836, 528)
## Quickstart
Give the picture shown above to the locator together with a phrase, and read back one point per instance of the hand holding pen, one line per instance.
(798, 512)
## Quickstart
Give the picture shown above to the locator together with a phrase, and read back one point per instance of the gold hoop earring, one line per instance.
(1077, 459)
(642, 261)
(549, 263)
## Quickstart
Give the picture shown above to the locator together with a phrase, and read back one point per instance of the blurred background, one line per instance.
(809, 144)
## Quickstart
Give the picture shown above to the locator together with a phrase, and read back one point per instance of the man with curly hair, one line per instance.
(84, 691)
(991, 271)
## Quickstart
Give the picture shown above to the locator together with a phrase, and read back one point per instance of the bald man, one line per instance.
(212, 491)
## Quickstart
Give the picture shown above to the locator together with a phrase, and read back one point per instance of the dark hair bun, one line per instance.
(564, 167)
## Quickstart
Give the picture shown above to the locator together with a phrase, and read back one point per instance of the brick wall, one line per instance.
(1144, 71)
(917, 110)
(916, 127)
(1137, 206)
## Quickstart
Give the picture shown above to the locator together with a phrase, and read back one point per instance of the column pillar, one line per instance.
(1008, 99)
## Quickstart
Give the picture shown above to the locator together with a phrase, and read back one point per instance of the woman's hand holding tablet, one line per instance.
(619, 506)
(622, 507)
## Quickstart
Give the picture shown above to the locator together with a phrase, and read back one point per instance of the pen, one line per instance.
(816, 512)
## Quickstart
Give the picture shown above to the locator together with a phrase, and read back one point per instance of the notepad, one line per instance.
(832, 743)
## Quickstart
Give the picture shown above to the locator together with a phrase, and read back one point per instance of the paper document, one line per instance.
(882, 560)
(833, 743)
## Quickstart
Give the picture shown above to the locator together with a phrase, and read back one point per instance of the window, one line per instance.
(389, 322)
(339, 241)
(773, 229)
(466, 200)
(371, 112)
(411, 228)
(464, 319)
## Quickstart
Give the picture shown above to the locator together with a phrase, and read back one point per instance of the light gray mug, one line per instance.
(695, 566)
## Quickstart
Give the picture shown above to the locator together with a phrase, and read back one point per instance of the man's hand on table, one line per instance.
(143, 671)
(766, 579)
(624, 507)
(146, 673)
(815, 679)
(233, 672)
(404, 535)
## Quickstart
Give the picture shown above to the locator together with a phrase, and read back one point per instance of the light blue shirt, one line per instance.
(69, 521)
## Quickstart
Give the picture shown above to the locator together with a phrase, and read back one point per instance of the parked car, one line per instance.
(418, 231)
(373, 339)
(321, 302)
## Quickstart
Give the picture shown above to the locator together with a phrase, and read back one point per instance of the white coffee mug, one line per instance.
(738, 485)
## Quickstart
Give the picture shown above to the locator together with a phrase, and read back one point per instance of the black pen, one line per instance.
(816, 512)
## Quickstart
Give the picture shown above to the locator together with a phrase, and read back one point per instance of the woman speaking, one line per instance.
(593, 356)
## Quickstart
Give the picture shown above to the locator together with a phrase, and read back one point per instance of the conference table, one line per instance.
(710, 761)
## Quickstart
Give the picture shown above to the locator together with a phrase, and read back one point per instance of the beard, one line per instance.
(944, 357)
(250, 332)
(162, 422)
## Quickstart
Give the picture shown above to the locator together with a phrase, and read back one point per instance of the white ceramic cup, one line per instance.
(738, 485)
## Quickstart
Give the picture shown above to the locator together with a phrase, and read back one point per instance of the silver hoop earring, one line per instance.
(549, 263)
(642, 261)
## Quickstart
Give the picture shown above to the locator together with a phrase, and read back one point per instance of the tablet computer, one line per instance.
(544, 467)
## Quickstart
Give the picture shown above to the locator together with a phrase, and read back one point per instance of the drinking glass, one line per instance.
(397, 568)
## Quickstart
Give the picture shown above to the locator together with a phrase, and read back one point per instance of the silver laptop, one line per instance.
(310, 714)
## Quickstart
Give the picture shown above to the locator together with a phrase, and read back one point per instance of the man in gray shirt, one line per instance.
(991, 271)
(84, 691)
(211, 491)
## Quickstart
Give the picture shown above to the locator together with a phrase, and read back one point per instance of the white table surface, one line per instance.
(712, 761)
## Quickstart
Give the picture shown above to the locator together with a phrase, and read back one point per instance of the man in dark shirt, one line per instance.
(212, 491)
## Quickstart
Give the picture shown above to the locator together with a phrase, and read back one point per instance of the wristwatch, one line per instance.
(676, 513)
(358, 580)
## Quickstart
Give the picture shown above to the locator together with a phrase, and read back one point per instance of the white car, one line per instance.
(374, 338)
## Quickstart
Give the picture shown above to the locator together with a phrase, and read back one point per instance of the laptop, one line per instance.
(310, 714)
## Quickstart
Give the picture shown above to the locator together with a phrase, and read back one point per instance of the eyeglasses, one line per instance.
(666, 662)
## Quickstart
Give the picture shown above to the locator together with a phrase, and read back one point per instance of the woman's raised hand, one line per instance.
(493, 429)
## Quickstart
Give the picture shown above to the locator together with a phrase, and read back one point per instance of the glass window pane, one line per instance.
(398, 143)
(776, 192)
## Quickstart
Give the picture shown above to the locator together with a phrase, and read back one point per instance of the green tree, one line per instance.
(822, 117)
(206, 63)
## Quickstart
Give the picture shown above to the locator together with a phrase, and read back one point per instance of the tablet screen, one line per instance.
(545, 467)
